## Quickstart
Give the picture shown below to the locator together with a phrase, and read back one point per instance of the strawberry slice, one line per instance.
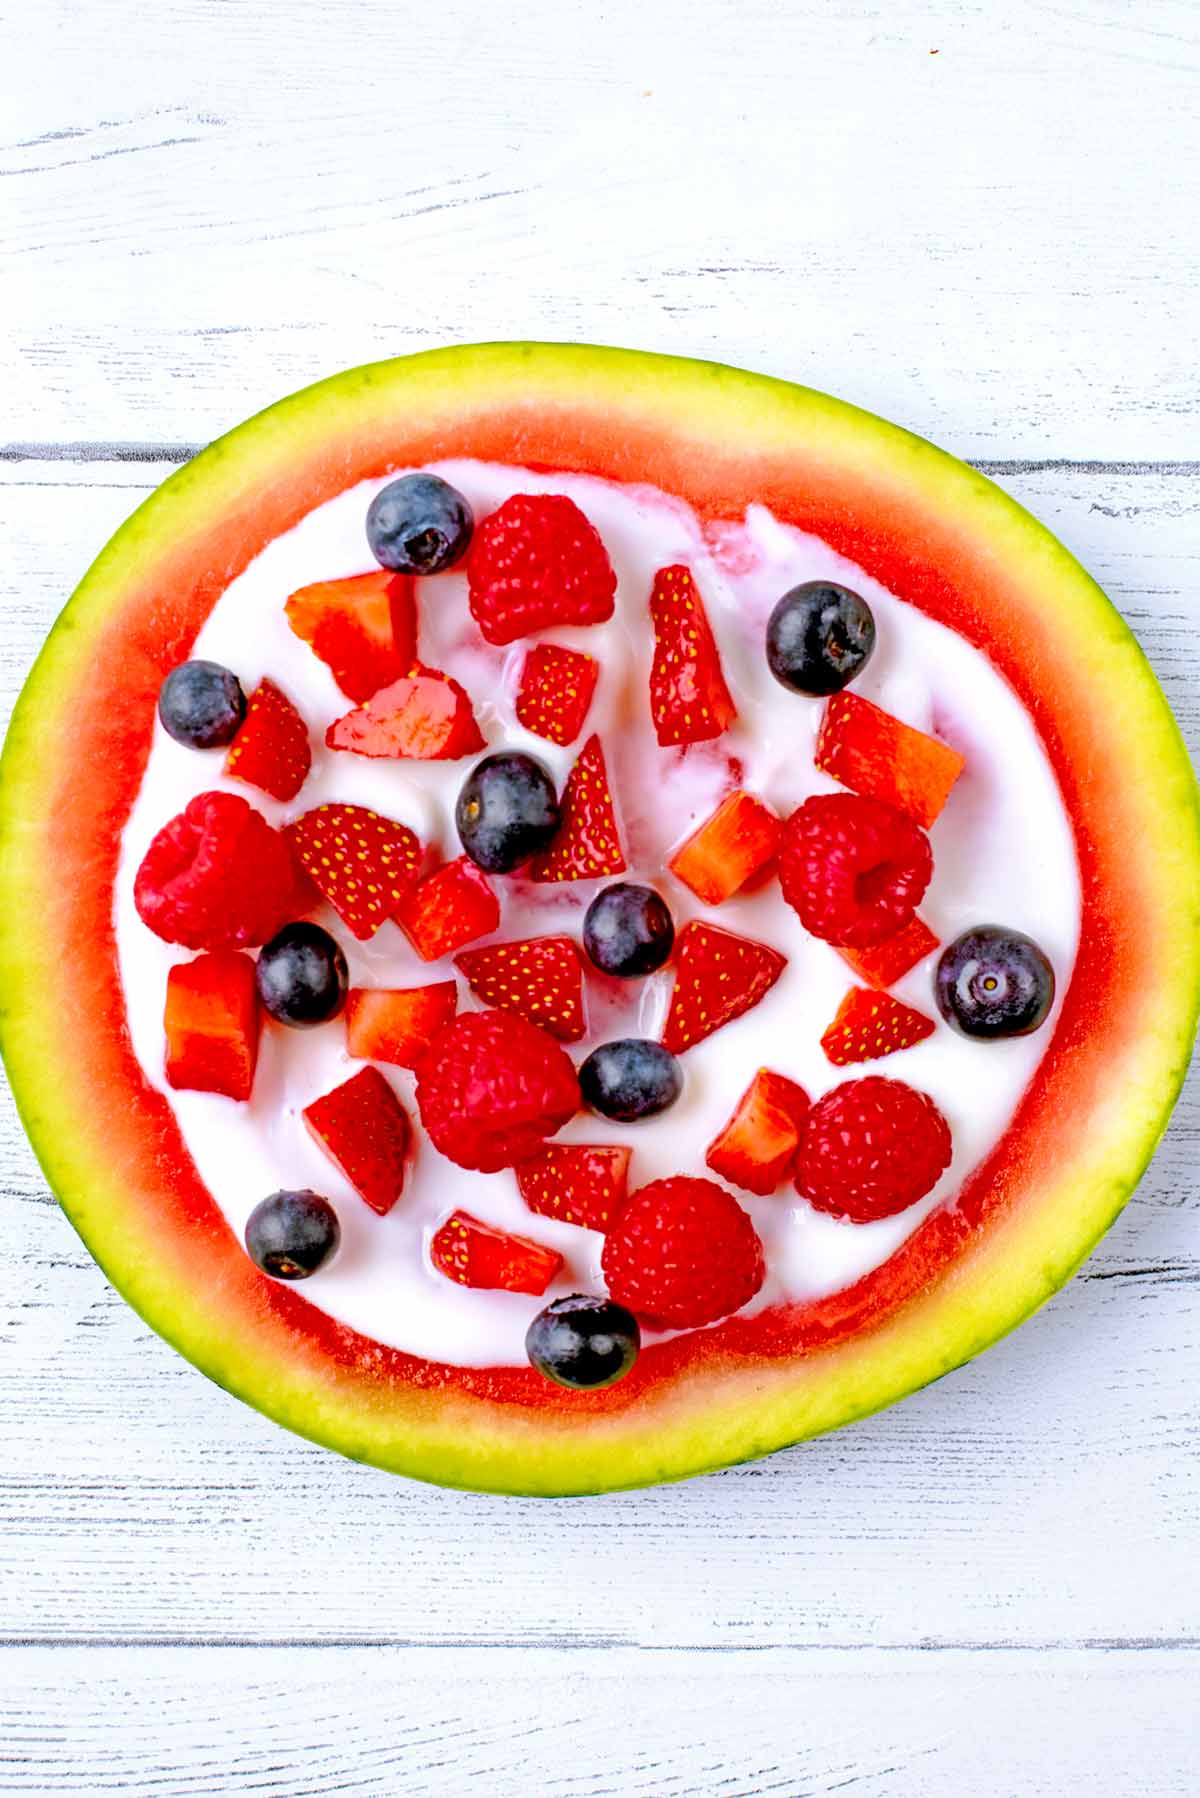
(758, 1144)
(555, 692)
(689, 700)
(397, 1024)
(541, 979)
(718, 977)
(363, 864)
(364, 629)
(477, 1254)
(588, 844)
(449, 908)
(876, 755)
(578, 1183)
(211, 1022)
(728, 849)
(885, 963)
(869, 1026)
(364, 1130)
(424, 716)
(271, 749)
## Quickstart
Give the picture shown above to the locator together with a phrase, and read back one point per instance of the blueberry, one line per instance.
(506, 812)
(583, 1342)
(302, 976)
(819, 637)
(991, 982)
(630, 1079)
(628, 930)
(201, 705)
(292, 1234)
(419, 524)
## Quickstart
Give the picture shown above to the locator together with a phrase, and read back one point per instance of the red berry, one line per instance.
(578, 1183)
(541, 980)
(364, 1130)
(689, 700)
(854, 870)
(271, 750)
(217, 877)
(588, 843)
(422, 717)
(364, 629)
(363, 864)
(875, 754)
(871, 1148)
(556, 691)
(728, 849)
(889, 961)
(492, 1088)
(473, 1253)
(211, 1024)
(537, 561)
(718, 977)
(869, 1026)
(682, 1252)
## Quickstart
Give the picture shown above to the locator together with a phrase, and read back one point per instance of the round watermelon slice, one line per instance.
(924, 525)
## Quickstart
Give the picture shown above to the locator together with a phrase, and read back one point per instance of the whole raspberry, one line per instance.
(683, 1253)
(492, 1087)
(855, 870)
(871, 1148)
(218, 877)
(536, 561)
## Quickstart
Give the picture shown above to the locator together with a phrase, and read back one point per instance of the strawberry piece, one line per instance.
(556, 691)
(477, 1254)
(450, 907)
(217, 877)
(873, 753)
(397, 1025)
(364, 629)
(853, 870)
(364, 1130)
(728, 849)
(682, 1252)
(885, 963)
(424, 717)
(588, 843)
(492, 1088)
(869, 1026)
(578, 1183)
(718, 977)
(363, 864)
(541, 979)
(537, 561)
(689, 700)
(211, 1022)
(271, 749)
(758, 1144)
(871, 1148)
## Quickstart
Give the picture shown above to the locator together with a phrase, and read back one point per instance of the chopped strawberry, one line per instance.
(578, 1183)
(873, 753)
(363, 864)
(689, 700)
(758, 1144)
(424, 716)
(718, 977)
(886, 962)
(449, 908)
(397, 1025)
(211, 1022)
(477, 1254)
(730, 848)
(271, 750)
(364, 1130)
(364, 629)
(218, 877)
(541, 979)
(682, 1252)
(588, 844)
(537, 561)
(869, 1026)
(555, 692)
(492, 1088)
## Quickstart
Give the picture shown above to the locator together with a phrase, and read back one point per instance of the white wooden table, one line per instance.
(982, 220)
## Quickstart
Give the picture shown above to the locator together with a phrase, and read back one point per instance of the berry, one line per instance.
(628, 930)
(449, 908)
(630, 1079)
(292, 1234)
(492, 1088)
(588, 844)
(876, 755)
(555, 692)
(991, 982)
(419, 524)
(541, 980)
(854, 870)
(758, 1144)
(683, 1253)
(537, 561)
(211, 1025)
(819, 637)
(397, 1026)
(201, 705)
(869, 1026)
(473, 1253)
(583, 1343)
(364, 1130)
(718, 977)
(271, 750)
(871, 1148)
(361, 863)
(689, 701)
(302, 976)
(364, 629)
(422, 717)
(728, 849)
(577, 1183)
(507, 812)
(887, 962)
(217, 877)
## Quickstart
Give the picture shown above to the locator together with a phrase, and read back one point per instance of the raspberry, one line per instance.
(683, 1253)
(853, 869)
(217, 877)
(492, 1087)
(537, 561)
(871, 1148)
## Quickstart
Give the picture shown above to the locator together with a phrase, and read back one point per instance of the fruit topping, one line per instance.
(588, 844)
(876, 755)
(854, 870)
(362, 864)
(292, 1234)
(477, 1254)
(211, 1025)
(630, 1079)
(870, 1025)
(682, 1253)
(871, 1148)
(886, 962)
(718, 977)
(583, 1343)
(507, 812)
(728, 849)
(992, 982)
(628, 930)
(271, 750)
(537, 561)
(448, 909)
(364, 629)
(217, 877)
(201, 705)
(578, 1183)
(555, 692)
(422, 717)
(397, 1025)
(302, 976)
(364, 1130)
(689, 701)
(819, 637)
(419, 524)
(758, 1144)
(492, 1088)
(540, 979)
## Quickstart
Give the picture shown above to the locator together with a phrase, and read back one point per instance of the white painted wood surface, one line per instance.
(981, 221)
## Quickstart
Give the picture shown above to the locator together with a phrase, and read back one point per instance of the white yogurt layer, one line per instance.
(1003, 853)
